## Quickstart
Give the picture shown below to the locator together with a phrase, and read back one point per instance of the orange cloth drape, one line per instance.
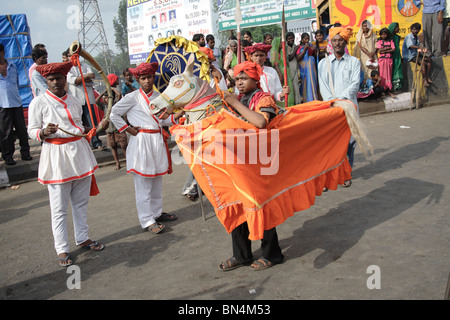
(307, 147)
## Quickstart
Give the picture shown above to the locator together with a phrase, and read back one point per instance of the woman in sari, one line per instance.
(306, 56)
(231, 58)
(365, 48)
(397, 73)
(276, 59)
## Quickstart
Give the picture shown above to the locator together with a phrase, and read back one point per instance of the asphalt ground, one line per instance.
(384, 238)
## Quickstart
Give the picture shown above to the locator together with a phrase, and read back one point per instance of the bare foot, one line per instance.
(117, 167)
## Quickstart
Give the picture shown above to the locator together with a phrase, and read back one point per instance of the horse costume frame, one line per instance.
(310, 148)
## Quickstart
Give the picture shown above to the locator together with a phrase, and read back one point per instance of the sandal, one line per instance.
(65, 262)
(166, 217)
(261, 264)
(94, 246)
(158, 226)
(347, 183)
(192, 197)
(230, 264)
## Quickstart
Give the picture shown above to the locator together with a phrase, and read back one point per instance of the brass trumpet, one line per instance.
(75, 47)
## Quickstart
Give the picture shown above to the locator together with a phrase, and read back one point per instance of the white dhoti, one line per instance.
(148, 199)
(77, 191)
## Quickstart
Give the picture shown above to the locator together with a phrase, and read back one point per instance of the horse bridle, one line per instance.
(172, 101)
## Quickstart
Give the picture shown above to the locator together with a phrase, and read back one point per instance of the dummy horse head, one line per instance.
(189, 93)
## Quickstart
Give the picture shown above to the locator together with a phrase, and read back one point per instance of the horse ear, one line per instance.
(190, 65)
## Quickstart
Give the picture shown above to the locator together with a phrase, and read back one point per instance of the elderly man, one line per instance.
(67, 163)
(339, 76)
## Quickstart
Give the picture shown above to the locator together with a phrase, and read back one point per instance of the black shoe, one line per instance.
(10, 162)
(27, 158)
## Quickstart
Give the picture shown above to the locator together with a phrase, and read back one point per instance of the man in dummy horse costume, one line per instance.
(230, 156)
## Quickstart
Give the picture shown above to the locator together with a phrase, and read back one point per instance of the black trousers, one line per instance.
(13, 118)
(242, 246)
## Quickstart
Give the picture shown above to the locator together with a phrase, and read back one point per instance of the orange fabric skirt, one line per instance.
(264, 176)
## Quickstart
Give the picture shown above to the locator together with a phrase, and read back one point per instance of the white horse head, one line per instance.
(183, 90)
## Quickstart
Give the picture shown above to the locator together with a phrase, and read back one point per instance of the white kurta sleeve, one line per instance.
(120, 109)
(35, 120)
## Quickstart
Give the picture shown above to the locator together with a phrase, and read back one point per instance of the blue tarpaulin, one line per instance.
(15, 36)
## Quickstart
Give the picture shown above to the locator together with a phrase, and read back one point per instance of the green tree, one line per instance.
(121, 60)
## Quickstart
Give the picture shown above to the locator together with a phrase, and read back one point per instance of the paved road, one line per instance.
(390, 230)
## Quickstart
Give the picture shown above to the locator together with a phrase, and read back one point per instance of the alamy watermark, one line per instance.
(374, 280)
(232, 146)
(73, 19)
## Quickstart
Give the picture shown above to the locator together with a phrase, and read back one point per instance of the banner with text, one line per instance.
(149, 20)
(262, 12)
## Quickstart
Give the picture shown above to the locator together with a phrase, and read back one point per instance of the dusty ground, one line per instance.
(395, 216)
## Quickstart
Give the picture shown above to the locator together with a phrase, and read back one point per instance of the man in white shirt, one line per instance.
(270, 81)
(38, 82)
(339, 77)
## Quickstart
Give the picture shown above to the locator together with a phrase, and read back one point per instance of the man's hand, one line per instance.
(133, 130)
(230, 97)
(103, 125)
(50, 129)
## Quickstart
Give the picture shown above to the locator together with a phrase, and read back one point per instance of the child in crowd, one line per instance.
(380, 88)
(321, 45)
(412, 52)
(385, 50)
(114, 138)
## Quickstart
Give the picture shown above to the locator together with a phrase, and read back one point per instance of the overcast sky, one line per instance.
(52, 22)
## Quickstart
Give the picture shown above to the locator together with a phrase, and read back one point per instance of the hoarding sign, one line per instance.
(149, 20)
(262, 12)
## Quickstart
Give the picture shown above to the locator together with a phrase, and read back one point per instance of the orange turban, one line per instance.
(343, 32)
(209, 53)
(58, 67)
(258, 47)
(253, 70)
(144, 68)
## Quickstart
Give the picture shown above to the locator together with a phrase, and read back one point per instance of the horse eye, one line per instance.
(178, 83)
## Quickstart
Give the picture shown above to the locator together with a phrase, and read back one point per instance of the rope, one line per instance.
(76, 62)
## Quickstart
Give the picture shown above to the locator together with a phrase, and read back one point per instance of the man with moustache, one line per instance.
(339, 77)
(67, 163)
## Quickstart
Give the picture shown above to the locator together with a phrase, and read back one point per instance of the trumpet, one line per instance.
(75, 47)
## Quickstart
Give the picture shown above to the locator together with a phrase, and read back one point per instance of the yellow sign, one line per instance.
(380, 13)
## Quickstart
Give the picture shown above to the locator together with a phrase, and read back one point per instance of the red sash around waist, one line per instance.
(62, 140)
(165, 137)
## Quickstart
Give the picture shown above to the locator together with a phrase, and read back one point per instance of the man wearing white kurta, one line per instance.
(147, 153)
(67, 163)
(269, 81)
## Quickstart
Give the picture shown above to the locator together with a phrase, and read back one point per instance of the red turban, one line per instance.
(258, 47)
(209, 53)
(144, 68)
(112, 78)
(58, 67)
(343, 32)
(253, 70)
